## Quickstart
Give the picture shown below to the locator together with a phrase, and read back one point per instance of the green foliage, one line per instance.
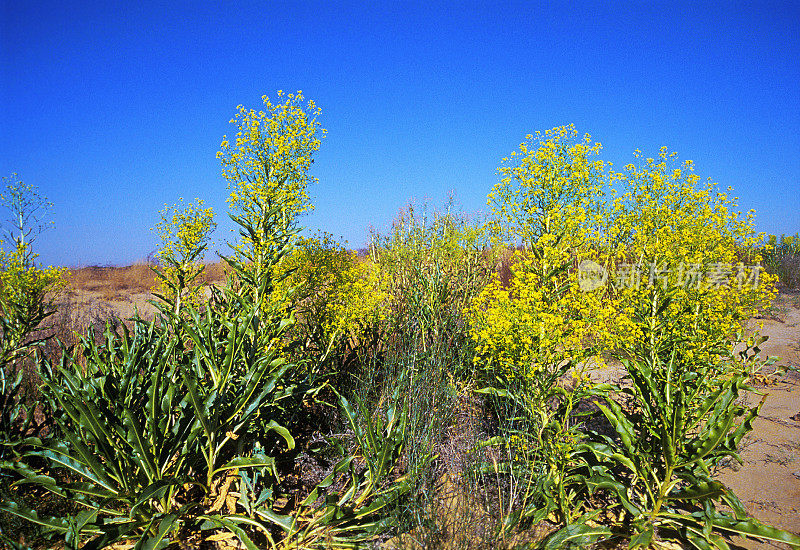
(26, 300)
(530, 336)
(358, 511)
(194, 423)
(679, 415)
(429, 267)
(174, 427)
(27, 292)
(674, 423)
(152, 424)
(338, 301)
(781, 257)
(433, 266)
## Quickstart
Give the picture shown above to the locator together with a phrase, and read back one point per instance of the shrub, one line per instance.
(781, 258)
(174, 427)
(338, 301)
(648, 274)
(27, 292)
(433, 266)
(676, 420)
(156, 422)
(665, 229)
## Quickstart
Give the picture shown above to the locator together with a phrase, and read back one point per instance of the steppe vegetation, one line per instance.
(436, 392)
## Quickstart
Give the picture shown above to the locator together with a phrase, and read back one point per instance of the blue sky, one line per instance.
(115, 108)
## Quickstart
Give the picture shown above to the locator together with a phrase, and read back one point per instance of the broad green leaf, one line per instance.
(754, 528)
(642, 539)
(698, 490)
(166, 524)
(154, 491)
(259, 461)
(578, 534)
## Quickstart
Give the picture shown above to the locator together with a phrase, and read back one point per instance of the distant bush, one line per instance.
(781, 258)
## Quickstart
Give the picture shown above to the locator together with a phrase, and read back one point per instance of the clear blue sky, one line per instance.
(114, 108)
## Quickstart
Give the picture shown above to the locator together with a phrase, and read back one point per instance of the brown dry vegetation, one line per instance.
(109, 282)
(106, 291)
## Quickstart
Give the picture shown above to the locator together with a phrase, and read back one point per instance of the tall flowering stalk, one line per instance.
(184, 232)
(267, 168)
(26, 290)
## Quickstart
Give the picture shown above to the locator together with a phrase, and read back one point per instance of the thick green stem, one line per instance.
(663, 489)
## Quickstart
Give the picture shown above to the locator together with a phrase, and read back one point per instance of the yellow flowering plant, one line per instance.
(337, 299)
(27, 294)
(269, 160)
(27, 291)
(529, 333)
(185, 232)
(267, 168)
(646, 265)
(666, 233)
(156, 427)
(533, 328)
(681, 265)
(551, 172)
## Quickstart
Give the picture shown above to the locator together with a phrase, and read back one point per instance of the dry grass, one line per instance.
(110, 283)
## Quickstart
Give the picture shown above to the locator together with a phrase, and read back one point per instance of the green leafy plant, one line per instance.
(533, 339)
(353, 503)
(673, 423)
(152, 425)
(27, 293)
(157, 421)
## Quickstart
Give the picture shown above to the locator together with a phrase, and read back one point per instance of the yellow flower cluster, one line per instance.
(565, 207)
(335, 294)
(542, 318)
(269, 160)
(24, 287)
(664, 217)
(551, 172)
(184, 232)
